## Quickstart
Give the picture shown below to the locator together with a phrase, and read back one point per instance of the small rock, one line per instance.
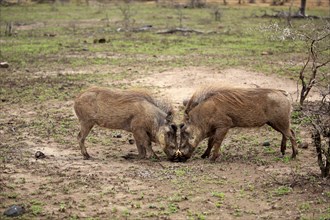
(131, 141)
(152, 207)
(303, 145)
(39, 155)
(266, 53)
(117, 136)
(102, 40)
(49, 34)
(4, 65)
(276, 207)
(266, 144)
(14, 210)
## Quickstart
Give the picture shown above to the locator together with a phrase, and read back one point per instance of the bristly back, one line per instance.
(133, 95)
(162, 104)
(231, 95)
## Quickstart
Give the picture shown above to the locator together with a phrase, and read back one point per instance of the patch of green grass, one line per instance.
(173, 208)
(12, 195)
(36, 207)
(180, 172)
(62, 207)
(219, 195)
(284, 159)
(126, 213)
(304, 207)
(237, 212)
(327, 194)
(282, 190)
(237, 43)
(325, 215)
(270, 150)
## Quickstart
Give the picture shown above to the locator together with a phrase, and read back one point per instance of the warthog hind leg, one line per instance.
(85, 128)
(284, 129)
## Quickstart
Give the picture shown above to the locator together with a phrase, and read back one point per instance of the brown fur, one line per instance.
(136, 111)
(212, 111)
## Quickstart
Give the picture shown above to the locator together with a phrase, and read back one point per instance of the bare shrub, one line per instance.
(197, 3)
(321, 138)
(317, 58)
(9, 29)
(216, 13)
(128, 14)
(314, 74)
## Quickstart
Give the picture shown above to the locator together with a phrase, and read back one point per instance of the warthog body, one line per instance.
(136, 111)
(212, 111)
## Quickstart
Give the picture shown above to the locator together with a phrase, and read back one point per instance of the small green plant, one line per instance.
(180, 172)
(237, 212)
(200, 216)
(36, 209)
(218, 204)
(219, 195)
(173, 208)
(12, 195)
(282, 190)
(284, 159)
(114, 210)
(327, 194)
(62, 207)
(304, 207)
(126, 213)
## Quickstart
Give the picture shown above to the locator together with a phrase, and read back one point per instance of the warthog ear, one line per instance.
(169, 117)
(185, 102)
(174, 127)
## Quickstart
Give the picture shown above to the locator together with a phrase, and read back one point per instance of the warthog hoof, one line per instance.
(294, 154)
(205, 156)
(86, 157)
(214, 158)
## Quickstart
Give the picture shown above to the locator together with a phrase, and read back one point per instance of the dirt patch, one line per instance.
(179, 84)
(249, 181)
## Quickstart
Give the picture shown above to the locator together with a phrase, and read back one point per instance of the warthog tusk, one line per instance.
(178, 153)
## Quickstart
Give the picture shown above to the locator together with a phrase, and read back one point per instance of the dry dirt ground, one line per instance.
(249, 181)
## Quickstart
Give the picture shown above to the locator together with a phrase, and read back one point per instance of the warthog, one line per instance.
(212, 111)
(136, 111)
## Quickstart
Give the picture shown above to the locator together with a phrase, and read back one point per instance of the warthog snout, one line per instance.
(179, 157)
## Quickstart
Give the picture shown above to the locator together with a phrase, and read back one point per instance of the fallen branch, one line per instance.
(182, 30)
(285, 14)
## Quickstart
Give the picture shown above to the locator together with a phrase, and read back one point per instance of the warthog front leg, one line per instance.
(210, 143)
(219, 135)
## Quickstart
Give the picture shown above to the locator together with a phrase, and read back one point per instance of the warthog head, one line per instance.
(190, 136)
(167, 139)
